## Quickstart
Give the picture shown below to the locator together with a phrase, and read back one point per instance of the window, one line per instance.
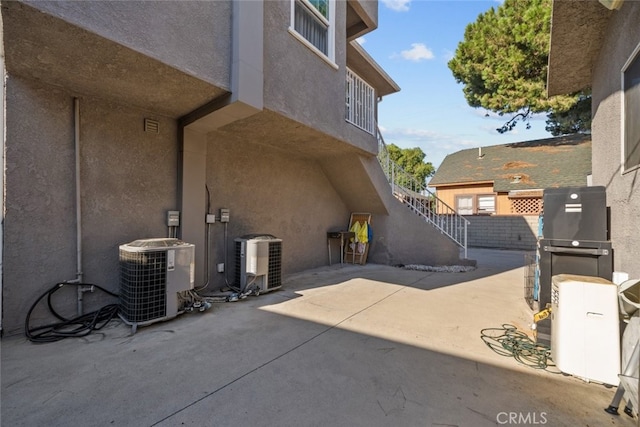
(464, 205)
(312, 22)
(486, 204)
(631, 112)
(474, 204)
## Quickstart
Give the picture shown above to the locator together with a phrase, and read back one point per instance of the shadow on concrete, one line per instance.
(396, 349)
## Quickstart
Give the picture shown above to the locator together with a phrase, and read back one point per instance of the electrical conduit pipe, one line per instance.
(79, 274)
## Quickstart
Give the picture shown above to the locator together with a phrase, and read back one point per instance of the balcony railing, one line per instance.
(360, 102)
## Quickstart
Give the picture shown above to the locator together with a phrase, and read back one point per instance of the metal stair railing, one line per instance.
(406, 188)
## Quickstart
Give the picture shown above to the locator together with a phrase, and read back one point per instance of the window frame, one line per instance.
(475, 203)
(465, 196)
(329, 21)
(485, 212)
(632, 61)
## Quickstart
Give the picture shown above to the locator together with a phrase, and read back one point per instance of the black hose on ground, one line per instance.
(68, 328)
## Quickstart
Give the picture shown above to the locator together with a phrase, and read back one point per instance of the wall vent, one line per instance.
(151, 126)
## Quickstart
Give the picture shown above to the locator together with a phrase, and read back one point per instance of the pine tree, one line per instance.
(502, 63)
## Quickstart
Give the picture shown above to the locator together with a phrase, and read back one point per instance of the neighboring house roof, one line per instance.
(577, 32)
(544, 163)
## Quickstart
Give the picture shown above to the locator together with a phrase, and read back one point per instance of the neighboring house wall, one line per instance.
(623, 190)
(503, 231)
(505, 204)
(449, 193)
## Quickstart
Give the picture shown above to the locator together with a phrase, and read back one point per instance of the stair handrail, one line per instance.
(420, 199)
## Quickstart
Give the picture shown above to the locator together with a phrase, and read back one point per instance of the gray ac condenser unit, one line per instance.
(152, 273)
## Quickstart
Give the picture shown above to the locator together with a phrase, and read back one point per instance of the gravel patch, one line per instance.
(440, 268)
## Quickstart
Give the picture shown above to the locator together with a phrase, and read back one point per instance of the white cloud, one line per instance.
(397, 5)
(418, 52)
(361, 40)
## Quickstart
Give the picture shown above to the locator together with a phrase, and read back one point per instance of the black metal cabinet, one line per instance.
(575, 213)
(575, 241)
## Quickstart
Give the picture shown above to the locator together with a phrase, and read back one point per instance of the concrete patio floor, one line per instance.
(337, 346)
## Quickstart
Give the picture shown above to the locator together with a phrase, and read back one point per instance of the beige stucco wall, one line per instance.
(128, 181)
(623, 190)
(323, 104)
(294, 170)
(271, 191)
(192, 36)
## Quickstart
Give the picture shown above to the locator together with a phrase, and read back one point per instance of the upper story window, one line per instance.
(631, 112)
(313, 22)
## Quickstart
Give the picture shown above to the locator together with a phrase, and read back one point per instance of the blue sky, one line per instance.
(413, 43)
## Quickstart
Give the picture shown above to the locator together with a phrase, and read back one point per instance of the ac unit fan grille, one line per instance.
(237, 277)
(275, 264)
(143, 284)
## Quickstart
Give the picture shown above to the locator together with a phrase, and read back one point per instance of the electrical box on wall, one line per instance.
(224, 215)
(173, 218)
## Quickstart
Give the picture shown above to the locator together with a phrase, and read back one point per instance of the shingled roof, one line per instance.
(544, 163)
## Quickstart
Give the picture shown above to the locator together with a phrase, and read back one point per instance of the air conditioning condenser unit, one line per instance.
(152, 274)
(258, 262)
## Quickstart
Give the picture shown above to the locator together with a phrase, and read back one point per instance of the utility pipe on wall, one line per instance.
(79, 275)
(76, 119)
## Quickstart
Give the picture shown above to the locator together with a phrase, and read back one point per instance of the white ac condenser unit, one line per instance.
(258, 262)
(152, 274)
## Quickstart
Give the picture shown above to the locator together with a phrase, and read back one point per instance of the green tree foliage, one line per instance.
(502, 63)
(575, 120)
(412, 161)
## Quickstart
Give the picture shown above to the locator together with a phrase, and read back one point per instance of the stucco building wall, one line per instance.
(157, 29)
(270, 191)
(623, 190)
(295, 169)
(128, 182)
(288, 89)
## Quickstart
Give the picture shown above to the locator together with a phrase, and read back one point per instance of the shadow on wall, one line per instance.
(503, 231)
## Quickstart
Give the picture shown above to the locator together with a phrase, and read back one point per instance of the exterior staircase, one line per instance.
(421, 200)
